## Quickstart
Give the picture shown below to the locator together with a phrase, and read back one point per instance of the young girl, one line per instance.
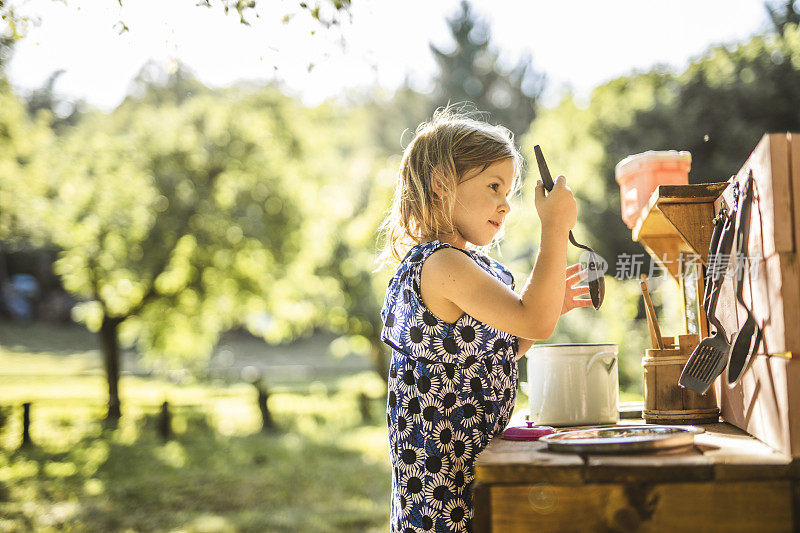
(451, 316)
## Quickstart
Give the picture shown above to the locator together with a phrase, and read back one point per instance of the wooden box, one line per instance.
(666, 402)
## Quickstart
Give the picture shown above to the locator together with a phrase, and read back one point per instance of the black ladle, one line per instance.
(597, 284)
(743, 346)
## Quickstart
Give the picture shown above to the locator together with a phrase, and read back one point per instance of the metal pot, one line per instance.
(573, 384)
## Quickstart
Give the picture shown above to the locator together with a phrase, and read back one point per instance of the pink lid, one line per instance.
(528, 432)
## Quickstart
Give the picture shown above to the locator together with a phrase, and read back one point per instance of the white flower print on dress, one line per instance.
(413, 335)
(406, 383)
(455, 515)
(430, 324)
(412, 459)
(427, 522)
(432, 410)
(470, 413)
(436, 465)
(469, 475)
(414, 487)
(448, 393)
(414, 408)
(443, 435)
(422, 352)
(469, 333)
(429, 382)
(462, 447)
(403, 426)
(445, 347)
(439, 489)
(405, 301)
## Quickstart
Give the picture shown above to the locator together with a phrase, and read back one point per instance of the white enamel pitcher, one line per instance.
(573, 384)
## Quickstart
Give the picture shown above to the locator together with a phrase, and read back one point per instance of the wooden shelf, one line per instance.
(678, 219)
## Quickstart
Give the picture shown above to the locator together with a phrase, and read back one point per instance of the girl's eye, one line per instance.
(494, 186)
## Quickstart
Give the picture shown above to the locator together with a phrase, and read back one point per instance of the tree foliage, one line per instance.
(717, 109)
(177, 219)
(782, 13)
(326, 12)
(473, 72)
(721, 105)
(22, 181)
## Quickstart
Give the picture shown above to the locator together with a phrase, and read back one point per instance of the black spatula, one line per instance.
(710, 356)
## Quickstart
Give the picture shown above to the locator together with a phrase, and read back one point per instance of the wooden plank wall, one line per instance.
(761, 403)
(773, 288)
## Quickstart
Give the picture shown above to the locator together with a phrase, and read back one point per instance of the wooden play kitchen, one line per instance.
(742, 472)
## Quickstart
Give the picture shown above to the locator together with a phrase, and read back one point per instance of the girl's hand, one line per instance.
(571, 300)
(556, 209)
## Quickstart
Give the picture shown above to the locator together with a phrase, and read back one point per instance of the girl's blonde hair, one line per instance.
(448, 146)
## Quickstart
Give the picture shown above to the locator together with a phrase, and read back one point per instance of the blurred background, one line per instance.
(189, 202)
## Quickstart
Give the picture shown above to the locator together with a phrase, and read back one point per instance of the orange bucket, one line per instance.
(638, 176)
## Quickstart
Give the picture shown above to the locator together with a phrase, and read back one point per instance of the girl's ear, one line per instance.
(437, 182)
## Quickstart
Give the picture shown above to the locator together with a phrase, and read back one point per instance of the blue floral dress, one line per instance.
(452, 388)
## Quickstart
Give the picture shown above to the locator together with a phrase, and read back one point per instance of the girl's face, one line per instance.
(481, 204)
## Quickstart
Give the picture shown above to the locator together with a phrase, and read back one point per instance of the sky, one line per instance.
(578, 44)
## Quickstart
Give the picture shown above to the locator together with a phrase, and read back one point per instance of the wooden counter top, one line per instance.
(722, 452)
(727, 481)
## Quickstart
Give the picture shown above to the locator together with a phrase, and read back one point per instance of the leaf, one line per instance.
(121, 27)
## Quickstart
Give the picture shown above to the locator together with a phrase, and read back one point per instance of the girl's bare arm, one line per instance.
(572, 299)
(533, 314)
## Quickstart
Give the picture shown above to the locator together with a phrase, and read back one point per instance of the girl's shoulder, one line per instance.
(410, 266)
(419, 252)
(495, 266)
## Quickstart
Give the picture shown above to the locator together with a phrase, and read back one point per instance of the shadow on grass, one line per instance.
(199, 481)
(57, 339)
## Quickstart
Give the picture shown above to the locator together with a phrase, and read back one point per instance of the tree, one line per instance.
(720, 106)
(472, 72)
(63, 114)
(356, 302)
(154, 86)
(21, 174)
(717, 109)
(175, 223)
(394, 117)
(326, 12)
(782, 13)
(21, 183)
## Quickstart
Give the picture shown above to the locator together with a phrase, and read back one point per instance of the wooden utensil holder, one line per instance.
(666, 402)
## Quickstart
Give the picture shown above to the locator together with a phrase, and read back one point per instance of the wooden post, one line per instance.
(363, 406)
(26, 424)
(164, 422)
(254, 375)
(110, 348)
(267, 423)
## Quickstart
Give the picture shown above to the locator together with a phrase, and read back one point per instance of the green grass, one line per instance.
(325, 470)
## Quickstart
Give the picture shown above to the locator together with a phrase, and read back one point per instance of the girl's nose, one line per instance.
(505, 206)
